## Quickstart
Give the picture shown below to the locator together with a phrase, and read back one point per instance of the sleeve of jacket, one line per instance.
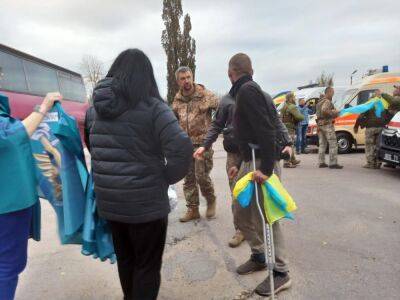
(212, 100)
(175, 144)
(217, 125)
(392, 100)
(283, 133)
(87, 125)
(252, 105)
(326, 110)
(297, 115)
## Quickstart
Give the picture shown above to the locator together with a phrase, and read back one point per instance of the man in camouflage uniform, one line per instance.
(326, 113)
(374, 126)
(193, 105)
(291, 116)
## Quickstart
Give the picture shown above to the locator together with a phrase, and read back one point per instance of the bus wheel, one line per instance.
(345, 142)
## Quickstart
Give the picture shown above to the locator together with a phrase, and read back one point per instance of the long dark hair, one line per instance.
(134, 72)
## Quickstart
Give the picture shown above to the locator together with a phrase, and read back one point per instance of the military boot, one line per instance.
(296, 162)
(191, 214)
(368, 166)
(210, 212)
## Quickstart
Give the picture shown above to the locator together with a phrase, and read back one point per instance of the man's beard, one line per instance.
(188, 87)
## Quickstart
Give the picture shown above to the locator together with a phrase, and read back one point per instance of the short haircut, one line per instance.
(328, 89)
(290, 96)
(182, 69)
(240, 63)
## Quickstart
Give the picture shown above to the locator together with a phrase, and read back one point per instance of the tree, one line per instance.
(325, 80)
(179, 47)
(92, 71)
(188, 46)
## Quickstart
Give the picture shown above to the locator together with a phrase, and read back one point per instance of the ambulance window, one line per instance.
(364, 96)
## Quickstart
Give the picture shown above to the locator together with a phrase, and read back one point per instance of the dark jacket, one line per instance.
(224, 120)
(137, 150)
(255, 122)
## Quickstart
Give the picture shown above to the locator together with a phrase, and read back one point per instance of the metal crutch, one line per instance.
(268, 233)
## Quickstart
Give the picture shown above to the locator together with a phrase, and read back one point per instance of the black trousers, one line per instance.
(139, 249)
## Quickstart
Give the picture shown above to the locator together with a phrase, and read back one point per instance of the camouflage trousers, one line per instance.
(371, 144)
(292, 134)
(232, 160)
(199, 176)
(327, 136)
(251, 225)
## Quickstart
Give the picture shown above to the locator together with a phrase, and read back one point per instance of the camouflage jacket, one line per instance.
(291, 115)
(194, 112)
(326, 112)
(394, 102)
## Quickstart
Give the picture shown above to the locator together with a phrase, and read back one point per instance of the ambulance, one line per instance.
(355, 95)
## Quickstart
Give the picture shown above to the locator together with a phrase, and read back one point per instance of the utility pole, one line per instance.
(351, 76)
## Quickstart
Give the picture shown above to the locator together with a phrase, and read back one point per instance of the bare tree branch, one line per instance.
(92, 71)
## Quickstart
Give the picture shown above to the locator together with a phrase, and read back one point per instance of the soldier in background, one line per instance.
(193, 106)
(326, 113)
(291, 116)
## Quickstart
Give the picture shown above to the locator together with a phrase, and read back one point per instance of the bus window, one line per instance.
(12, 76)
(72, 87)
(41, 79)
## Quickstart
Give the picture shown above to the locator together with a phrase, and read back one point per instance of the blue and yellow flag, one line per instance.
(278, 203)
(379, 104)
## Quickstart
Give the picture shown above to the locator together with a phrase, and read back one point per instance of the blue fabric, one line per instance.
(305, 111)
(97, 237)
(375, 103)
(14, 233)
(301, 138)
(245, 196)
(17, 176)
(61, 171)
(278, 199)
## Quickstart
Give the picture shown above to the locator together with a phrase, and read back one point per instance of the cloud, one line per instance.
(290, 42)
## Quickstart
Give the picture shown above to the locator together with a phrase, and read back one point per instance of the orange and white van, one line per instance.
(357, 94)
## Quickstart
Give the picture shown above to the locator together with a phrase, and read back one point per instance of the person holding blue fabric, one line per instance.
(301, 139)
(18, 190)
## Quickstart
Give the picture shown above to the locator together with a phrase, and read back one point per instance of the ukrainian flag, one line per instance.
(278, 203)
(379, 104)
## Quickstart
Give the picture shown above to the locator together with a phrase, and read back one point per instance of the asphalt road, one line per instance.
(343, 244)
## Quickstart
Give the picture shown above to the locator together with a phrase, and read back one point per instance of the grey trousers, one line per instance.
(250, 223)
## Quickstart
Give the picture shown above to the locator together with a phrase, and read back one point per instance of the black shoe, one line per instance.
(336, 167)
(324, 165)
(387, 165)
(250, 266)
(281, 282)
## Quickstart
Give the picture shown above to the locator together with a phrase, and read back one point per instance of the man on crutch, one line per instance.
(255, 123)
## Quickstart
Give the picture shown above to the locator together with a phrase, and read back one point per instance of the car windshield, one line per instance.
(341, 97)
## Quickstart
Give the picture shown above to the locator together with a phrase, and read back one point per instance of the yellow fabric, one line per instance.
(278, 203)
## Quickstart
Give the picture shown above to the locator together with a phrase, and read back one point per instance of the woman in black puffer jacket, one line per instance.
(138, 150)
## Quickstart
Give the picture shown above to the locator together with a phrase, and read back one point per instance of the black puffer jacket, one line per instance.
(137, 151)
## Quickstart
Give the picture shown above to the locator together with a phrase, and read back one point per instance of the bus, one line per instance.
(26, 79)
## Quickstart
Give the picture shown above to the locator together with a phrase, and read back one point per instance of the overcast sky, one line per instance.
(290, 42)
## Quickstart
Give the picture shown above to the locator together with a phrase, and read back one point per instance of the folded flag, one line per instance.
(379, 104)
(278, 203)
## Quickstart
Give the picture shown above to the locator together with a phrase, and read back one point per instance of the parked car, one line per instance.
(355, 95)
(389, 143)
(26, 79)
